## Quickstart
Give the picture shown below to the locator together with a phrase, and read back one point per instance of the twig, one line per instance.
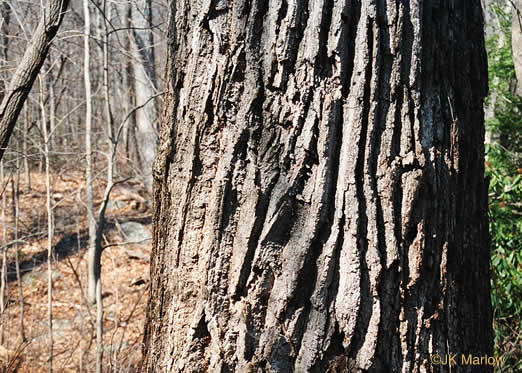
(126, 243)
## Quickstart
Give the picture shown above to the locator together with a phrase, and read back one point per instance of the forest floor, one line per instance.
(125, 273)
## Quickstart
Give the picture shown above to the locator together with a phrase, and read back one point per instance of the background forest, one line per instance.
(504, 169)
(79, 165)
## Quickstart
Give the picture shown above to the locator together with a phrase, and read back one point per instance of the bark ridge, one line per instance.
(320, 203)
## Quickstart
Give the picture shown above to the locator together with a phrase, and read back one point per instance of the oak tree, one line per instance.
(319, 198)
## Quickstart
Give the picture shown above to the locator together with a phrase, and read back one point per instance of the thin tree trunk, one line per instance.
(516, 40)
(99, 329)
(493, 29)
(25, 140)
(94, 252)
(88, 150)
(41, 161)
(111, 140)
(28, 69)
(5, 17)
(131, 148)
(3, 278)
(319, 203)
(145, 85)
(80, 282)
(17, 263)
(50, 230)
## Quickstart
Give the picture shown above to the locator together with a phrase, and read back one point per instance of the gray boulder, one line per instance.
(137, 233)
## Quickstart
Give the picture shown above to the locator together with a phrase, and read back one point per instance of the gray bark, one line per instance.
(94, 290)
(493, 28)
(15, 206)
(111, 138)
(3, 274)
(492, 25)
(5, 18)
(145, 85)
(93, 256)
(319, 199)
(27, 70)
(25, 149)
(50, 228)
(516, 43)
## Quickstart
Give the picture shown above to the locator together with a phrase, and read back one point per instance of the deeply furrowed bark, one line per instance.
(319, 196)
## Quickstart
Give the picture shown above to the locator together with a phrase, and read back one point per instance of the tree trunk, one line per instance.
(128, 93)
(94, 253)
(25, 149)
(516, 40)
(320, 201)
(28, 68)
(145, 85)
(5, 18)
(3, 274)
(15, 205)
(493, 28)
(48, 204)
(111, 139)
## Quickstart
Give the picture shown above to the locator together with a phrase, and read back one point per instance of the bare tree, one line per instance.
(94, 254)
(25, 149)
(5, 17)
(145, 85)
(25, 74)
(516, 40)
(50, 229)
(111, 138)
(3, 278)
(15, 206)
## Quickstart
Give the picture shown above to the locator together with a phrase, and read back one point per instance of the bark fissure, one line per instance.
(312, 218)
(369, 304)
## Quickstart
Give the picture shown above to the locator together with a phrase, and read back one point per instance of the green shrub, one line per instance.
(504, 169)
